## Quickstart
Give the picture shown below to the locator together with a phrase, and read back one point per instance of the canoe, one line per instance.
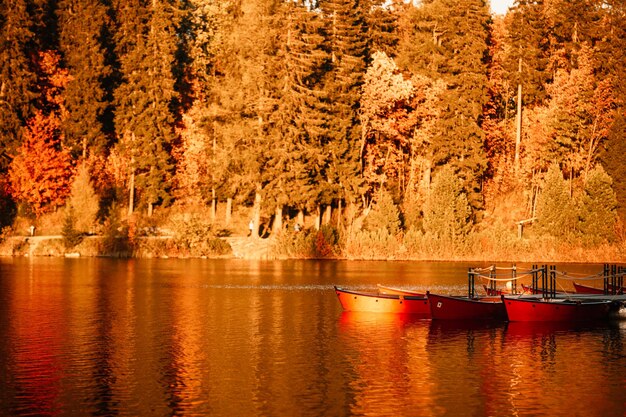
(529, 290)
(494, 292)
(560, 309)
(444, 307)
(585, 289)
(382, 289)
(383, 303)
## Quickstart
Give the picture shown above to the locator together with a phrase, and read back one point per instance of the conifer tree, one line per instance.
(17, 80)
(597, 215)
(144, 118)
(81, 27)
(347, 43)
(384, 214)
(555, 210)
(447, 213)
(83, 200)
(449, 42)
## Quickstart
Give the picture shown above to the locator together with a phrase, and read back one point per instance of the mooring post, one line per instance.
(514, 278)
(535, 277)
(470, 283)
(544, 280)
(492, 276)
(605, 274)
(614, 279)
(552, 292)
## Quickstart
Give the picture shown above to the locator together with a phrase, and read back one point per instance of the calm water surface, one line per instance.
(243, 338)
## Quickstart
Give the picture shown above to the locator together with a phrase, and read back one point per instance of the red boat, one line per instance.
(558, 309)
(445, 307)
(382, 289)
(585, 289)
(383, 303)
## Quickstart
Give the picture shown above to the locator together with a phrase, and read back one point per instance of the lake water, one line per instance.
(253, 338)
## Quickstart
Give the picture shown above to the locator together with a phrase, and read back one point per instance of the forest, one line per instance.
(360, 129)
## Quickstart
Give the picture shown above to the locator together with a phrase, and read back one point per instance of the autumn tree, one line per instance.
(40, 174)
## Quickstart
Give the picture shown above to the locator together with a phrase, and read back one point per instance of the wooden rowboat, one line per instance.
(558, 309)
(382, 289)
(585, 289)
(444, 307)
(383, 303)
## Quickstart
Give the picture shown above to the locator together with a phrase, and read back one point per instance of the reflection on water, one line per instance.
(224, 338)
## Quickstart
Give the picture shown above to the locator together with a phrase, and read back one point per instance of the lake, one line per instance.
(166, 337)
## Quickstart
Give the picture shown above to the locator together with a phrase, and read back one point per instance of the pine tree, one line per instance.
(144, 118)
(555, 208)
(347, 40)
(597, 215)
(384, 214)
(448, 41)
(447, 213)
(17, 80)
(81, 26)
(83, 200)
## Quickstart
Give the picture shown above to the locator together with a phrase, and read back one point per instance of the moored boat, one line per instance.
(586, 289)
(383, 289)
(444, 307)
(383, 303)
(558, 309)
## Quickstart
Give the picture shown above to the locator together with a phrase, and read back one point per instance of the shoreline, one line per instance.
(245, 248)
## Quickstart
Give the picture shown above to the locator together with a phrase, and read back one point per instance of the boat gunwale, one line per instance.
(379, 295)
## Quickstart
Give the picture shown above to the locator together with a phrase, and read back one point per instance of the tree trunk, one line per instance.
(278, 220)
(229, 209)
(131, 194)
(213, 205)
(150, 208)
(256, 212)
(328, 212)
(339, 214)
(318, 215)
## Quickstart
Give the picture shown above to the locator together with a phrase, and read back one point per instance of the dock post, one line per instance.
(514, 278)
(605, 274)
(613, 286)
(544, 280)
(535, 277)
(470, 283)
(552, 283)
(492, 276)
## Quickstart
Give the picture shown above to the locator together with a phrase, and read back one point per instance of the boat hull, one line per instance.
(383, 303)
(520, 309)
(462, 308)
(585, 289)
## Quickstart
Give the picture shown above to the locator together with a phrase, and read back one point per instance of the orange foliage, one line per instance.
(41, 173)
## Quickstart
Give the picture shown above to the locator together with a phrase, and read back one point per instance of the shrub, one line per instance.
(71, 236)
